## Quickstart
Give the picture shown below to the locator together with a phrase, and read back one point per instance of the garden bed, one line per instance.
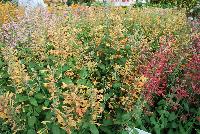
(98, 70)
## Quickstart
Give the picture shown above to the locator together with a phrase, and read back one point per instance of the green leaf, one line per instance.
(107, 122)
(67, 80)
(107, 96)
(186, 107)
(58, 72)
(94, 129)
(85, 125)
(173, 124)
(31, 121)
(39, 96)
(116, 85)
(172, 116)
(89, 84)
(182, 130)
(106, 129)
(21, 98)
(170, 131)
(31, 131)
(55, 129)
(83, 73)
(46, 103)
(1, 45)
(38, 109)
(126, 116)
(157, 129)
(122, 61)
(161, 102)
(102, 66)
(33, 101)
(82, 82)
(65, 68)
(1, 63)
(32, 65)
(124, 132)
(49, 115)
(153, 121)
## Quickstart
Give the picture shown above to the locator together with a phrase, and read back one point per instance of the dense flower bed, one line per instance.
(99, 70)
(9, 12)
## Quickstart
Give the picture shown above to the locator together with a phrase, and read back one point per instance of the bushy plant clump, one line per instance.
(91, 69)
(9, 12)
(179, 3)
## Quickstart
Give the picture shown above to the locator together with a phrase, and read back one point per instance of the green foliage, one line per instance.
(5, 128)
(179, 3)
(163, 120)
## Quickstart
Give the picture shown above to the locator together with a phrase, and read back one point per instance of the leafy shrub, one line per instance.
(180, 3)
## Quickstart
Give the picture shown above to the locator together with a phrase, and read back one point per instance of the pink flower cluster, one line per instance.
(163, 63)
(158, 68)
